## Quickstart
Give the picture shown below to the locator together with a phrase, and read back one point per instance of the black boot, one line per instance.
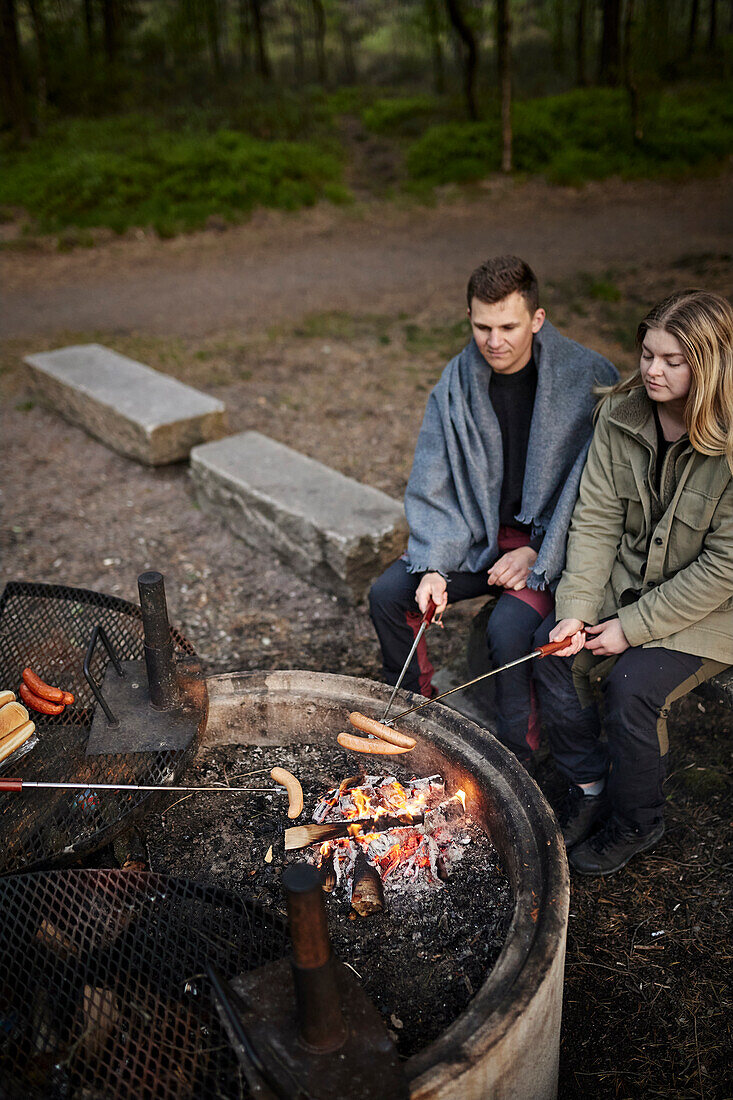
(612, 848)
(580, 813)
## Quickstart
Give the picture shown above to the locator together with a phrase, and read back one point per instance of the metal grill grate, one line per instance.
(47, 627)
(101, 987)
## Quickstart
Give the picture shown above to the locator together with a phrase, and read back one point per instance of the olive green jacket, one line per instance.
(663, 562)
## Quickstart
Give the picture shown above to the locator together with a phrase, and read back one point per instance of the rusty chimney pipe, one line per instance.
(321, 1024)
(162, 680)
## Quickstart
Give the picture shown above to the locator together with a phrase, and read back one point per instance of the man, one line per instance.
(492, 488)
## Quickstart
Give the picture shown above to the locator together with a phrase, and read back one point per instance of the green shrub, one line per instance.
(406, 114)
(584, 134)
(129, 171)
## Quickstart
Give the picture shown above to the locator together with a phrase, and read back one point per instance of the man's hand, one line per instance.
(574, 630)
(432, 586)
(512, 569)
(608, 639)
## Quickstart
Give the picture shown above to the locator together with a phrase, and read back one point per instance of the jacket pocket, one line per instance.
(690, 524)
(625, 482)
(695, 509)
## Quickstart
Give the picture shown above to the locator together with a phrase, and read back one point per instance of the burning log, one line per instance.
(300, 836)
(367, 893)
(328, 874)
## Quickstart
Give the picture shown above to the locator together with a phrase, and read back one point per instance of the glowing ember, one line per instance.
(419, 852)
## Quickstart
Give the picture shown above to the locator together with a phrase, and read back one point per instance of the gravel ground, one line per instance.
(648, 948)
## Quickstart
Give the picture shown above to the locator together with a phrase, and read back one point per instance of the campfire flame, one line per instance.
(408, 848)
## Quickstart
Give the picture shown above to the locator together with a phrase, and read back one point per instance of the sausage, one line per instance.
(68, 698)
(292, 786)
(6, 697)
(15, 739)
(361, 744)
(43, 706)
(40, 688)
(371, 725)
(12, 715)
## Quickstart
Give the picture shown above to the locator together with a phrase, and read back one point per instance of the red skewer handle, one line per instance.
(552, 647)
(11, 784)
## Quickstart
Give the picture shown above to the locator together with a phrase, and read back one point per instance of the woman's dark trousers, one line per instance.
(629, 697)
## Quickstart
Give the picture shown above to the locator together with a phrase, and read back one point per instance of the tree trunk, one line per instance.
(12, 90)
(630, 81)
(320, 17)
(581, 75)
(213, 34)
(713, 28)
(347, 45)
(558, 37)
(692, 32)
(244, 31)
(470, 55)
(110, 18)
(610, 43)
(89, 28)
(297, 39)
(431, 11)
(39, 29)
(504, 59)
(263, 61)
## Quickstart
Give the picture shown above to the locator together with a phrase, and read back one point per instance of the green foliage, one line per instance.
(402, 114)
(604, 290)
(582, 135)
(130, 171)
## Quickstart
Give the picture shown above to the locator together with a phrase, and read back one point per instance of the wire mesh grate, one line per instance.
(47, 627)
(102, 991)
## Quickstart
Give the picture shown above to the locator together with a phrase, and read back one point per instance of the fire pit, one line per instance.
(505, 1043)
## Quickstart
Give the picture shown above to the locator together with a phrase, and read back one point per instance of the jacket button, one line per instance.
(658, 541)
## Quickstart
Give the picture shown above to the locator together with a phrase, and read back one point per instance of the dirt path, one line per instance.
(376, 257)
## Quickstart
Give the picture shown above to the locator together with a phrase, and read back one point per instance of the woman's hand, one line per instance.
(512, 569)
(574, 631)
(432, 586)
(608, 639)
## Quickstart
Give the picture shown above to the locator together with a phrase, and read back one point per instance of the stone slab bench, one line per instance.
(129, 407)
(329, 529)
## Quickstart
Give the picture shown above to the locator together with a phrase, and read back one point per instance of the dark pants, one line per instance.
(511, 627)
(637, 689)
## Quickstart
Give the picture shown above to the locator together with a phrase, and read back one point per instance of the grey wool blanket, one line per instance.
(452, 497)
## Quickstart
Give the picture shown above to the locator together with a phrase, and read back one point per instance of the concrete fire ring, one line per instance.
(505, 1045)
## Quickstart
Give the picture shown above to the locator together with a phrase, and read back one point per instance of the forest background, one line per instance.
(175, 114)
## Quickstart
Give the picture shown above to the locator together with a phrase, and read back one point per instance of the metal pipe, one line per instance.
(159, 661)
(321, 1024)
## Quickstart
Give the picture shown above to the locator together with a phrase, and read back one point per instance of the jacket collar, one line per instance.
(634, 414)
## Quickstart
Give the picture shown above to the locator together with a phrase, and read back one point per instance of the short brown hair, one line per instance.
(499, 277)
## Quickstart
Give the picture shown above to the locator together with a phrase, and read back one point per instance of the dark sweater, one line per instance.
(512, 397)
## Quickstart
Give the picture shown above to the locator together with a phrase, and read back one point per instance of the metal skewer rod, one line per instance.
(541, 651)
(426, 621)
(19, 784)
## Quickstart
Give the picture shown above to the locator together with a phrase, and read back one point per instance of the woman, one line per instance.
(646, 591)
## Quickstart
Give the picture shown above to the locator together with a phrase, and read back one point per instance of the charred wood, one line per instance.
(367, 894)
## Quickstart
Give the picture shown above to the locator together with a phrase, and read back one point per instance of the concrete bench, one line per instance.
(129, 407)
(329, 529)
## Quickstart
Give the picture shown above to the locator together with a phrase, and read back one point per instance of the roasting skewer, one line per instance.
(286, 781)
(17, 785)
(425, 623)
(542, 651)
(383, 730)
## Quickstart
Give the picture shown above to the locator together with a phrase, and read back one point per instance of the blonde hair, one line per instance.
(702, 323)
